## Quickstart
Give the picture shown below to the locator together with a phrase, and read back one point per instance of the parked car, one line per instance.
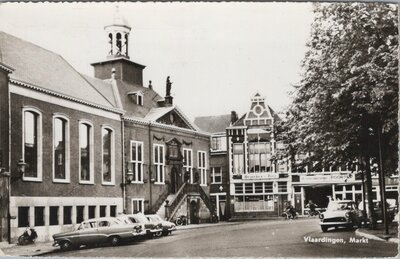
(391, 209)
(152, 229)
(97, 231)
(341, 214)
(167, 227)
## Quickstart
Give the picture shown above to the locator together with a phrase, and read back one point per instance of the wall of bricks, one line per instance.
(47, 187)
(153, 193)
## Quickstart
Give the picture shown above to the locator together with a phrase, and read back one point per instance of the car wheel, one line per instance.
(65, 245)
(115, 240)
(158, 234)
(324, 229)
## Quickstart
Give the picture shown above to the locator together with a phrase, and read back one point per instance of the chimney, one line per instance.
(234, 117)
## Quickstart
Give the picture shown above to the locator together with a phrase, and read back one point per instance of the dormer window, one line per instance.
(136, 97)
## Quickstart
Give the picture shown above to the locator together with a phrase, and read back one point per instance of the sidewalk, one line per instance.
(379, 233)
(34, 249)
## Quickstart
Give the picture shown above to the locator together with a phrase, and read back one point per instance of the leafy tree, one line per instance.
(349, 88)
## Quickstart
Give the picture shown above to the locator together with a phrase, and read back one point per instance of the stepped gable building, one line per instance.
(259, 178)
(219, 189)
(60, 143)
(73, 147)
(166, 156)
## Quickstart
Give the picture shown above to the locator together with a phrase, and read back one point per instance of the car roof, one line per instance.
(102, 218)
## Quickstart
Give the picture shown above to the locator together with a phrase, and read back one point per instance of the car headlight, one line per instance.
(347, 215)
(321, 216)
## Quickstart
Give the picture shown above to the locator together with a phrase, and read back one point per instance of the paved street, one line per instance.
(255, 238)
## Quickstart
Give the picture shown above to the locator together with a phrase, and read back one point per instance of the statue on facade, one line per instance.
(169, 83)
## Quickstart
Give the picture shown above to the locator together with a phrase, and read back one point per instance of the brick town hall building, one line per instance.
(74, 147)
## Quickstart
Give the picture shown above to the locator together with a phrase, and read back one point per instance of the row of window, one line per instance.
(54, 214)
(259, 187)
(137, 163)
(32, 149)
(260, 158)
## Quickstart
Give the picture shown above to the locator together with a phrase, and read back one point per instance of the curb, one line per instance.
(373, 237)
(206, 226)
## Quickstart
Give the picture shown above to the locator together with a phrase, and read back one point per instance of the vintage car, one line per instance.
(152, 229)
(391, 209)
(167, 227)
(341, 214)
(97, 231)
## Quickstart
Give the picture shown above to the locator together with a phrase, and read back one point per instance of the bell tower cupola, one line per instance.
(118, 65)
(118, 36)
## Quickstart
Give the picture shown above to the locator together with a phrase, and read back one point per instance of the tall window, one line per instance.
(137, 161)
(188, 164)
(159, 162)
(218, 143)
(259, 156)
(201, 160)
(217, 175)
(137, 206)
(60, 150)
(238, 159)
(108, 156)
(86, 154)
(32, 141)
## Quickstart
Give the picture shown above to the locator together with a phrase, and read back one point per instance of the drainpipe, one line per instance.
(9, 164)
(150, 171)
(123, 163)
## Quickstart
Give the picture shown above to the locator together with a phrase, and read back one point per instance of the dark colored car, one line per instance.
(167, 227)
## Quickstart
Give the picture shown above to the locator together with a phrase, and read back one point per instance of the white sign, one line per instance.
(253, 176)
(323, 178)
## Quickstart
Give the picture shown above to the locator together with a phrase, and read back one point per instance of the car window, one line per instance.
(104, 223)
(133, 220)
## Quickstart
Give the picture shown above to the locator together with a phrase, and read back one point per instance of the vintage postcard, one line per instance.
(199, 129)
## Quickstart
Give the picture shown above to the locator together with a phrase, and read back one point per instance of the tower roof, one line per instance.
(119, 20)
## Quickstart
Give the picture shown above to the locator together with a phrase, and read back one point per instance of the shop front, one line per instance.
(322, 187)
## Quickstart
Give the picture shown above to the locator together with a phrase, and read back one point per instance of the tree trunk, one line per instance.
(371, 214)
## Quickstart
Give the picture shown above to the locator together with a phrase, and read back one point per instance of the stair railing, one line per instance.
(171, 206)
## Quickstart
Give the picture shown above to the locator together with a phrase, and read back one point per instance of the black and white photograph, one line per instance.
(199, 129)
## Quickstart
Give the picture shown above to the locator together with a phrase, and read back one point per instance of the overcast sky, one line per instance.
(217, 54)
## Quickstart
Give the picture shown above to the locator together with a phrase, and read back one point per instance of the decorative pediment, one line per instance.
(173, 118)
(259, 113)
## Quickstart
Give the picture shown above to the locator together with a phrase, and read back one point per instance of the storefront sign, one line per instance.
(254, 176)
(323, 178)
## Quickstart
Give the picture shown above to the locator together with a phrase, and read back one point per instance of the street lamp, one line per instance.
(129, 176)
(21, 168)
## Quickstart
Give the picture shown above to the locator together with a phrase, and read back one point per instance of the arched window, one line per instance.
(86, 153)
(110, 41)
(108, 156)
(60, 149)
(32, 144)
(119, 43)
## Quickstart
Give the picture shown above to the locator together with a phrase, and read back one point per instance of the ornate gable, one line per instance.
(259, 113)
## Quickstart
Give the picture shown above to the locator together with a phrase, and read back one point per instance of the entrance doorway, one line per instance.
(194, 215)
(176, 179)
(220, 205)
(319, 195)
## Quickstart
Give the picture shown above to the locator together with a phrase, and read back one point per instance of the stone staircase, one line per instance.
(161, 210)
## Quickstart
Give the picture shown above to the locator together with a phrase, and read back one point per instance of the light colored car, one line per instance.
(167, 227)
(97, 231)
(152, 229)
(341, 214)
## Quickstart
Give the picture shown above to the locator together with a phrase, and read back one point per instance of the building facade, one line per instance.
(74, 147)
(259, 177)
(219, 189)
